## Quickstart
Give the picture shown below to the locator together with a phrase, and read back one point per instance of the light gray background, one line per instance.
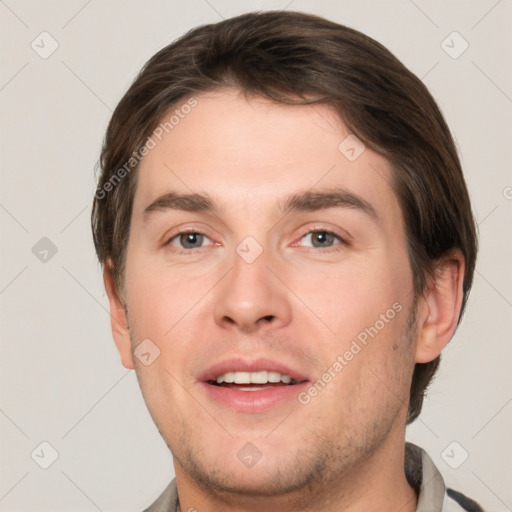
(62, 381)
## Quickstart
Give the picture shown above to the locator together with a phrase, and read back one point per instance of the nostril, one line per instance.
(268, 318)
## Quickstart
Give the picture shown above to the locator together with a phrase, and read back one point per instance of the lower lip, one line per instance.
(253, 401)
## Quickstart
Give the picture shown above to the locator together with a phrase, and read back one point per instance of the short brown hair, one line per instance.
(297, 58)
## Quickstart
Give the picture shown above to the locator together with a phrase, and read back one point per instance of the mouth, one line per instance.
(252, 381)
(252, 386)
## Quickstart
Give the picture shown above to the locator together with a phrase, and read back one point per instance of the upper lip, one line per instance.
(239, 364)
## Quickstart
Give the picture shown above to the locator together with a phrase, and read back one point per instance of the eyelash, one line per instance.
(344, 242)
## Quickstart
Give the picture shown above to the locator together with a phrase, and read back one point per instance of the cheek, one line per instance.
(366, 309)
(352, 297)
(160, 298)
(374, 380)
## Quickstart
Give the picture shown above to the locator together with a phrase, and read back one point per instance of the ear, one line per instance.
(118, 320)
(440, 307)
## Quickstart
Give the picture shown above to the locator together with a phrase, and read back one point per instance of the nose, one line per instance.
(251, 297)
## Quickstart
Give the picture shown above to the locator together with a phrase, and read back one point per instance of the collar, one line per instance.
(424, 478)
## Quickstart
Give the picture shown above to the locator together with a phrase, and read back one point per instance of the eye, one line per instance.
(321, 239)
(187, 240)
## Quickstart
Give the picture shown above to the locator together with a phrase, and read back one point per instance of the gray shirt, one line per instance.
(421, 473)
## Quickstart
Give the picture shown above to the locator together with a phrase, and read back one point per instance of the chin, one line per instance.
(264, 480)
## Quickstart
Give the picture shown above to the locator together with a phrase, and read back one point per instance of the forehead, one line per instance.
(244, 152)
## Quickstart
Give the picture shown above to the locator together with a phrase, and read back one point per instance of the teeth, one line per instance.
(274, 377)
(228, 377)
(259, 377)
(262, 377)
(242, 378)
(286, 379)
(256, 389)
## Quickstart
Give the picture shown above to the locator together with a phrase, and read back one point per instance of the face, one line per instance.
(286, 262)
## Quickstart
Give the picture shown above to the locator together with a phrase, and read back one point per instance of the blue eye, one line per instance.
(322, 238)
(188, 240)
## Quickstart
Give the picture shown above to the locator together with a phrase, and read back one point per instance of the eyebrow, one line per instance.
(303, 201)
(334, 198)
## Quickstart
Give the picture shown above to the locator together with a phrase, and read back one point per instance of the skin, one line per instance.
(302, 302)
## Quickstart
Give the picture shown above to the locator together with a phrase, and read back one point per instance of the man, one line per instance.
(288, 245)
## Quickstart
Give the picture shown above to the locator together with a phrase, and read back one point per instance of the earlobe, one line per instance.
(118, 318)
(440, 307)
